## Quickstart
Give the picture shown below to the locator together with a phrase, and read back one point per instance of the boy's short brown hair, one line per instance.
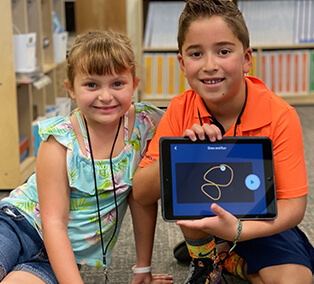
(199, 9)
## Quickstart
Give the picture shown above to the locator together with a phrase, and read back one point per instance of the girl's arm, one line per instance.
(54, 201)
(144, 221)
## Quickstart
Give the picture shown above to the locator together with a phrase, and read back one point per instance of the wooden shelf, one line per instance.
(299, 99)
(286, 46)
(160, 49)
(293, 99)
(23, 102)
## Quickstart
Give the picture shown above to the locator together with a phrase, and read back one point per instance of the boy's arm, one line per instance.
(146, 181)
(224, 225)
(54, 200)
(288, 150)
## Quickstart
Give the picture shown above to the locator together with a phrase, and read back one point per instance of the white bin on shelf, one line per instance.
(24, 52)
(60, 41)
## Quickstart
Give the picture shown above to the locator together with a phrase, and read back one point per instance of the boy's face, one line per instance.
(213, 61)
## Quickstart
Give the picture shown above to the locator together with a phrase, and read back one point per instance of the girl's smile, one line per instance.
(103, 98)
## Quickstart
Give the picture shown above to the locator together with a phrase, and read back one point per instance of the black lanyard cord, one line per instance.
(213, 120)
(104, 251)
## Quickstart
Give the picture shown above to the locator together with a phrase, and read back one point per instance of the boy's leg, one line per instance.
(21, 277)
(279, 258)
(201, 249)
(286, 273)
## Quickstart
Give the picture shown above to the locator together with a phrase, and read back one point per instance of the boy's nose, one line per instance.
(210, 63)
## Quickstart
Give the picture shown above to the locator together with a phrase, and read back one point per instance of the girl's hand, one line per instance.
(162, 279)
(224, 225)
(148, 278)
(200, 132)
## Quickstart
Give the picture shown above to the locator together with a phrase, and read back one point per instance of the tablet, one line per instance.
(237, 173)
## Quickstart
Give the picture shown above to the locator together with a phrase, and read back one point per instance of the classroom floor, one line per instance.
(168, 234)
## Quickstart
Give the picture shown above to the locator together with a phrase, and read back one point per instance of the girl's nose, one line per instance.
(105, 95)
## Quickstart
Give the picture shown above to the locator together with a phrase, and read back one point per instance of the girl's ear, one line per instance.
(181, 63)
(247, 61)
(70, 89)
(135, 83)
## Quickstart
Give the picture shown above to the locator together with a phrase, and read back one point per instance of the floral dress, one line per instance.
(83, 225)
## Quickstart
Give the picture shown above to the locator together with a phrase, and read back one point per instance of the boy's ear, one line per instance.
(181, 63)
(70, 89)
(247, 61)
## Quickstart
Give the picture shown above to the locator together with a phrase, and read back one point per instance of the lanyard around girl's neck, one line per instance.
(104, 251)
(214, 121)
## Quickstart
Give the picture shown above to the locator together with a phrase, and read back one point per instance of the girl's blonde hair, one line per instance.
(100, 53)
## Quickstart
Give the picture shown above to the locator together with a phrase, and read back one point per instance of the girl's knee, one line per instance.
(2, 273)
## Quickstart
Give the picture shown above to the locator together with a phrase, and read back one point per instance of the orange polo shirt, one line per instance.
(265, 114)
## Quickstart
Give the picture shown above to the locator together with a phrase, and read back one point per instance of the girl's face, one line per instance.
(103, 98)
(213, 60)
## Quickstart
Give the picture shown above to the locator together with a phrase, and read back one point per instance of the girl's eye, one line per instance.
(117, 84)
(91, 85)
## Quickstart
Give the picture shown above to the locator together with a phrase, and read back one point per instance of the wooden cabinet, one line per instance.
(22, 102)
(100, 15)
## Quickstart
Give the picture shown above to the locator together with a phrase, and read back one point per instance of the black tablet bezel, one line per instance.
(166, 176)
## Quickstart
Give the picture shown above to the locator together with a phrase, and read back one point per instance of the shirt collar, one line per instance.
(257, 112)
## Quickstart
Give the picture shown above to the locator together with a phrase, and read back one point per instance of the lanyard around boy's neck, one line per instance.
(213, 120)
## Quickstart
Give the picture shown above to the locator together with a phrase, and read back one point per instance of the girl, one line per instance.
(76, 201)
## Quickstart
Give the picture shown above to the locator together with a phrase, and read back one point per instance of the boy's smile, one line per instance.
(214, 62)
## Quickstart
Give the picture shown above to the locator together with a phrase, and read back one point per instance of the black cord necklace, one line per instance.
(104, 251)
(213, 120)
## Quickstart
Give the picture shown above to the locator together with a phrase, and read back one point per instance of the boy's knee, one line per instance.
(286, 273)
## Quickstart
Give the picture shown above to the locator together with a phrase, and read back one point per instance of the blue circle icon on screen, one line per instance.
(252, 182)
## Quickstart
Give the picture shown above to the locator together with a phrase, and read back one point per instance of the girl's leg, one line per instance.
(16, 277)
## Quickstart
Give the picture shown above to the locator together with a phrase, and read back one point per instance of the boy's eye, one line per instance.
(224, 52)
(196, 54)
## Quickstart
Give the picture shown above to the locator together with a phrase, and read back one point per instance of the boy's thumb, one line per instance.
(217, 210)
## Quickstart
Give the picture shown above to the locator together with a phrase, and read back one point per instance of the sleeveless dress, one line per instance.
(83, 226)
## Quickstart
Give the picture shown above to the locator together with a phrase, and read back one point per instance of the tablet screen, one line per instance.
(235, 172)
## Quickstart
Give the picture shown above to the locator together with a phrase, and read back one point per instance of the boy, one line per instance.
(214, 55)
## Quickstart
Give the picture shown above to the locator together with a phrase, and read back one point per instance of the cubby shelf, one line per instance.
(22, 103)
(163, 100)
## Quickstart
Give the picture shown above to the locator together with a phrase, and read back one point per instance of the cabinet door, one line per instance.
(9, 145)
(100, 15)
